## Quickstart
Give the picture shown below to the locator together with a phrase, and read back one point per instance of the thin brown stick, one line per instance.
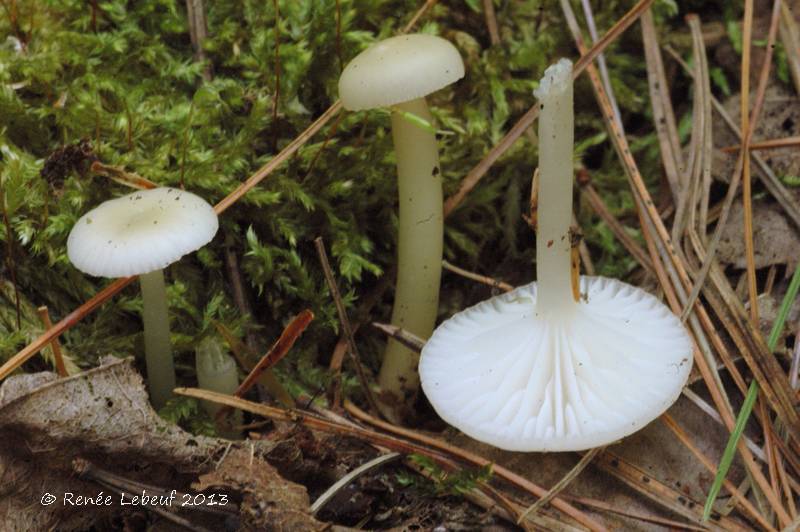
(94, 8)
(747, 185)
(418, 15)
(786, 142)
(475, 460)
(410, 340)
(328, 137)
(474, 176)
(198, 31)
(121, 176)
(491, 22)
(559, 486)
(494, 283)
(601, 58)
(345, 321)
(663, 115)
(277, 67)
(55, 345)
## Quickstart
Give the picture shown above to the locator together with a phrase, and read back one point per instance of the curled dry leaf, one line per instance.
(102, 415)
(269, 503)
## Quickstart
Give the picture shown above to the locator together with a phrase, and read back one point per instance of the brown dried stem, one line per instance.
(559, 486)
(490, 281)
(345, 321)
(55, 345)
(660, 245)
(747, 186)
(787, 142)
(491, 22)
(474, 176)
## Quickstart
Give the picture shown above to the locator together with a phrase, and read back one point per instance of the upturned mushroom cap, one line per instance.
(142, 232)
(520, 382)
(399, 69)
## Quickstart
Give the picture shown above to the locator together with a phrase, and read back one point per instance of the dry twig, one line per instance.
(55, 345)
(346, 327)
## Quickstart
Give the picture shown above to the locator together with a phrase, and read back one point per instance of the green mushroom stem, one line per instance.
(419, 244)
(216, 371)
(157, 345)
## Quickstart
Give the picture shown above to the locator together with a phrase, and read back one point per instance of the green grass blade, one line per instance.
(750, 399)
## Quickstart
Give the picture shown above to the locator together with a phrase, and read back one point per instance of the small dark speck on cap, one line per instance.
(88, 221)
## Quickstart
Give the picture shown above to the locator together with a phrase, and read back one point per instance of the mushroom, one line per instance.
(400, 72)
(217, 371)
(536, 370)
(140, 234)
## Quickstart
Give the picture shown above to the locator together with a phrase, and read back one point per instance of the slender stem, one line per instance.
(419, 245)
(157, 345)
(555, 189)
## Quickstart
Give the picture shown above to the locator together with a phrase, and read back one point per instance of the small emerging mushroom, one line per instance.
(217, 371)
(536, 370)
(140, 234)
(399, 72)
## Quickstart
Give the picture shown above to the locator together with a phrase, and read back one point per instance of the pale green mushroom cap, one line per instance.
(140, 233)
(399, 69)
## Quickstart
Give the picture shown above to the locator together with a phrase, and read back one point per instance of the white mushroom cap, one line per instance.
(142, 232)
(399, 69)
(507, 377)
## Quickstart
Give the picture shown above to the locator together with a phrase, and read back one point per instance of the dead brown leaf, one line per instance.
(270, 503)
(104, 416)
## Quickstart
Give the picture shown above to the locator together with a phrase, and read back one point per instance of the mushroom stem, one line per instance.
(157, 345)
(216, 371)
(419, 245)
(555, 190)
